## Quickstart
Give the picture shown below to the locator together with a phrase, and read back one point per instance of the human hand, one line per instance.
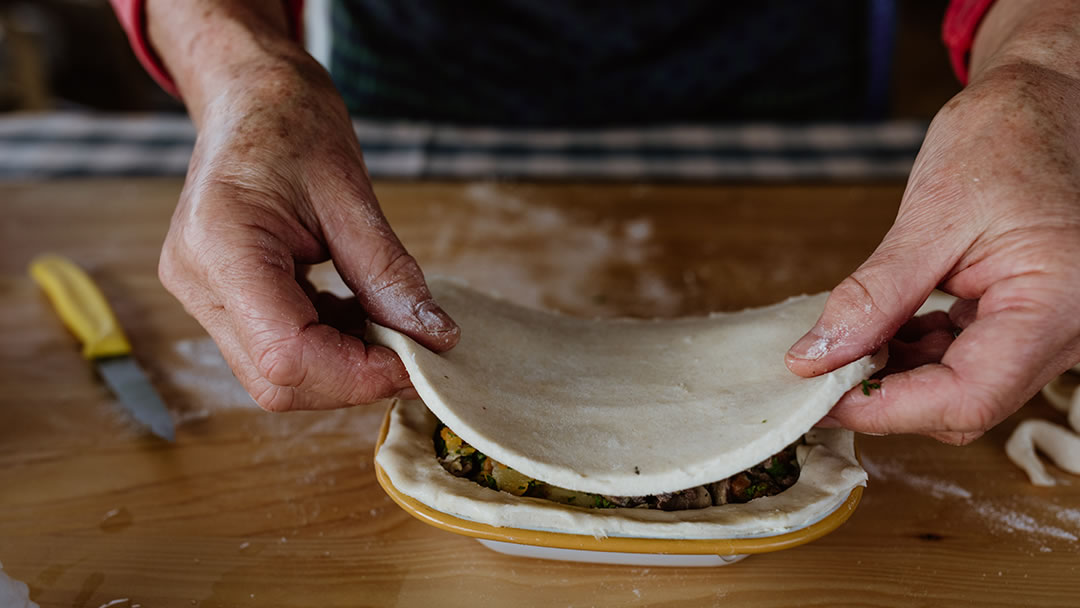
(277, 182)
(991, 214)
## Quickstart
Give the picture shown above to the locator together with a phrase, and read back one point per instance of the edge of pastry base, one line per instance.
(830, 472)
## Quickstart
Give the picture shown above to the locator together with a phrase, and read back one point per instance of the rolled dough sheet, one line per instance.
(829, 473)
(622, 407)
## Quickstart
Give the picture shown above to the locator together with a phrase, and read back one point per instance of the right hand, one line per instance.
(277, 182)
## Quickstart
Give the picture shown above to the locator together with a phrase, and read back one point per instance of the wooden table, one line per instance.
(251, 508)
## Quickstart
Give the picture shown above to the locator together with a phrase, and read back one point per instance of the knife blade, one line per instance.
(83, 309)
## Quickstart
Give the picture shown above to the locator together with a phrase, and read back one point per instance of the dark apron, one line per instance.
(582, 63)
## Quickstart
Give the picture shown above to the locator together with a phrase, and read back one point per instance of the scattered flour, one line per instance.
(938, 488)
(1021, 514)
(1013, 521)
(818, 349)
(545, 256)
(1071, 516)
(638, 230)
(13, 593)
(203, 371)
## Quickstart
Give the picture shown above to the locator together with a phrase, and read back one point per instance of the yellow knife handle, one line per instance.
(81, 305)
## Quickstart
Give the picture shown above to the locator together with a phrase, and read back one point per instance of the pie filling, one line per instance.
(772, 476)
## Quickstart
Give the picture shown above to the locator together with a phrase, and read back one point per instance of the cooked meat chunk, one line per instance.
(693, 498)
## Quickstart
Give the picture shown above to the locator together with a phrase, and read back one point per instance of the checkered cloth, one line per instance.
(80, 144)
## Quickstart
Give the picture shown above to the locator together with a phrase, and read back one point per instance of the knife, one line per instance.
(83, 309)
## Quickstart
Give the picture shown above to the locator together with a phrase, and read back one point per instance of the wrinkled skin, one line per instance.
(277, 182)
(991, 214)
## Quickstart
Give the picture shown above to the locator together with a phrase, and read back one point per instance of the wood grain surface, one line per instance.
(255, 509)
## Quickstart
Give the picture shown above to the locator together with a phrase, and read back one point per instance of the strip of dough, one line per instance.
(1059, 443)
(622, 407)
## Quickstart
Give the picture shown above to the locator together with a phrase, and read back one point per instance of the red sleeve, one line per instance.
(132, 15)
(962, 20)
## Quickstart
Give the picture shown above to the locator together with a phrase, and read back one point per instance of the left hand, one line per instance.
(991, 215)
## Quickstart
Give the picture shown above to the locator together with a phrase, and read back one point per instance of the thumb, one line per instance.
(387, 280)
(867, 308)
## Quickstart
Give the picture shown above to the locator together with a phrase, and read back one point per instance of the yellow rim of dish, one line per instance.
(619, 544)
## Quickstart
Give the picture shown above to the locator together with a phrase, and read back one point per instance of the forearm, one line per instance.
(1038, 34)
(212, 47)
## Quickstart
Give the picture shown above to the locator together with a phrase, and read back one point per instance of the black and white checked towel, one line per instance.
(68, 144)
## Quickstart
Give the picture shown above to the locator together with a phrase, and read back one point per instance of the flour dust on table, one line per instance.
(13, 593)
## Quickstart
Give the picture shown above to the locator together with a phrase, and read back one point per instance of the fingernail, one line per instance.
(434, 319)
(828, 422)
(813, 346)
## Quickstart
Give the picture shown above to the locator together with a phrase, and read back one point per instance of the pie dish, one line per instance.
(405, 427)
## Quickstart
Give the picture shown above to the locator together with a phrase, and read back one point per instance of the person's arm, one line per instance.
(132, 17)
(1037, 34)
(277, 182)
(991, 214)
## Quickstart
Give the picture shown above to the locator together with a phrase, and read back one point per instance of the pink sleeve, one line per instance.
(962, 21)
(132, 15)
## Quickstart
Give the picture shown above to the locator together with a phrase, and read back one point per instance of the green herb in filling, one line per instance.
(867, 385)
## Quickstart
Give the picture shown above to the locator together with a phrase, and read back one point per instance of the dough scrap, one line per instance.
(829, 473)
(622, 407)
(1059, 443)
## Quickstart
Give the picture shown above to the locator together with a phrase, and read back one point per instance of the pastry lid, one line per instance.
(622, 407)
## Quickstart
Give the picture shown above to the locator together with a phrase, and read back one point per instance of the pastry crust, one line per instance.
(829, 473)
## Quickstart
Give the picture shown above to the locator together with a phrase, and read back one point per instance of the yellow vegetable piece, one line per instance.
(510, 480)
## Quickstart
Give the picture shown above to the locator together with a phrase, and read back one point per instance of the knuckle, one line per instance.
(174, 269)
(369, 390)
(378, 377)
(167, 270)
(967, 438)
(865, 288)
(850, 294)
(394, 269)
(274, 398)
(281, 362)
(176, 277)
(975, 414)
(233, 264)
(364, 386)
(955, 438)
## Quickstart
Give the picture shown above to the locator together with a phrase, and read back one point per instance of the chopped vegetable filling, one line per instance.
(776, 474)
